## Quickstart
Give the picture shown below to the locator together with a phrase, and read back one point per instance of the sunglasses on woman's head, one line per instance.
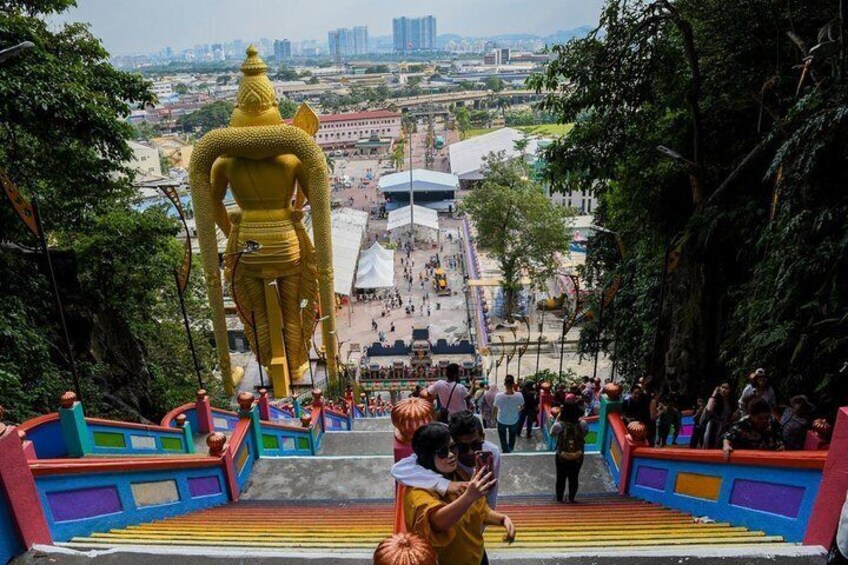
(444, 451)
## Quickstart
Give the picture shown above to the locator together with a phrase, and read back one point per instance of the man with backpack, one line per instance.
(570, 433)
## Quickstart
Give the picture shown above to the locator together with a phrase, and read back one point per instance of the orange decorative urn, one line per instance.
(637, 430)
(405, 549)
(613, 391)
(408, 415)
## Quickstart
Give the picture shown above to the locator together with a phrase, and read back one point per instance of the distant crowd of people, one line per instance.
(451, 479)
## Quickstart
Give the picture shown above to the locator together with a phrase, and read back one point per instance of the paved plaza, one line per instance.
(447, 317)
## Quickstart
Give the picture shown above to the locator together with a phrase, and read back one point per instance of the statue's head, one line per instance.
(256, 103)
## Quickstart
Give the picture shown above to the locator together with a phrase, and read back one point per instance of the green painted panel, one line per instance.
(172, 443)
(270, 442)
(592, 438)
(303, 443)
(109, 439)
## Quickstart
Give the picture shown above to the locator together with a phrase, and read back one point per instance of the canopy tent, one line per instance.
(348, 227)
(424, 217)
(467, 157)
(376, 268)
(431, 188)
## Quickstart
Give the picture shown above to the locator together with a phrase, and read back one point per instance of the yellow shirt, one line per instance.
(460, 545)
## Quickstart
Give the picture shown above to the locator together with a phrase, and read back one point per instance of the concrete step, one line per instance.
(381, 443)
(368, 477)
(356, 443)
(381, 424)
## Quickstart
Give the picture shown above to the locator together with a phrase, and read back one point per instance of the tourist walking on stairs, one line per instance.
(452, 524)
(570, 433)
(508, 405)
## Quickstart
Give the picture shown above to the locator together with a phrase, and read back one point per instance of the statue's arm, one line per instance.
(220, 182)
(303, 186)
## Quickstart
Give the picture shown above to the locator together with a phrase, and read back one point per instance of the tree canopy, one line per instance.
(63, 141)
(212, 116)
(713, 133)
(517, 224)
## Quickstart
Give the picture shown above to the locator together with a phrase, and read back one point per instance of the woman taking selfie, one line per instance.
(452, 524)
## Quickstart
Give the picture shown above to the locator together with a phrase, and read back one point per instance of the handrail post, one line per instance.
(185, 426)
(74, 427)
(834, 483)
(205, 424)
(21, 493)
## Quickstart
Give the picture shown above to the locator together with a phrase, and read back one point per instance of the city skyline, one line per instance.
(128, 27)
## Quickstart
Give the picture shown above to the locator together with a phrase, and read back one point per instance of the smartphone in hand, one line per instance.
(483, 459)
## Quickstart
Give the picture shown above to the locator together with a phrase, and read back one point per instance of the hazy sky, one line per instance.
(141, 26)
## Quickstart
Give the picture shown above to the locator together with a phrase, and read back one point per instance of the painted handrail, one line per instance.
(44, 467)
(785, 459)
(168, 420)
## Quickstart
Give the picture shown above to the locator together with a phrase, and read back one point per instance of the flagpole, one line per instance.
(45, 249)
(188, 329)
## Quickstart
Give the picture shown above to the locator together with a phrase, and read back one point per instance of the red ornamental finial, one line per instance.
(245, 400)
(263, 393)
(306, 420)
(181, 420)
(201, 395)
(67, 400)
(215, 441)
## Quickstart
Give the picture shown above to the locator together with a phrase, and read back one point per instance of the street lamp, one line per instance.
(15, 50)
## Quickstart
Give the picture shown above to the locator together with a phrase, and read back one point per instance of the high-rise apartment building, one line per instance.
(282, 50)
(348, 42)
(414, 34)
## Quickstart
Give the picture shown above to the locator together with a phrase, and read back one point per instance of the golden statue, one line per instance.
(273, 169)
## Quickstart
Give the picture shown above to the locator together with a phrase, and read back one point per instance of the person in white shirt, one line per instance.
(467, 433)
(508, 407)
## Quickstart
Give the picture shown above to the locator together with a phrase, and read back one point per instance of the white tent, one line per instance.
(466, 157)
(376, 268)
(348, 225)
(424, 217)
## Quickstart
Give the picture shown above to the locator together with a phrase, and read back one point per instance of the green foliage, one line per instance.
(215, 115)
(286, 73)
(288, 108)
(755, 230)
(377, 69)
(145, 131)
(494, 84)
(63, 111)
(517, 224)
(568, 377)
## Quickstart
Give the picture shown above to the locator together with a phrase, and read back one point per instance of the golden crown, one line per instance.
(255, 93)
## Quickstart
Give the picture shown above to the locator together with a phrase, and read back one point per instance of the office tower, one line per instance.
(414, 34)
(282, 50)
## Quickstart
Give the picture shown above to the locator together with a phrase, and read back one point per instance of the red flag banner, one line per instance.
(184, 271)
(22, 207)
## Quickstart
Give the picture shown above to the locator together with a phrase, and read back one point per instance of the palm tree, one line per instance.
(397, 157)
(331, 163)
(503, 103)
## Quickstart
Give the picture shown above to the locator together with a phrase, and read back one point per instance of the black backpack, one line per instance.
(570, 442)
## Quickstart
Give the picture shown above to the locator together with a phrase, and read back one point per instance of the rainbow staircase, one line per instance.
(595, 522)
